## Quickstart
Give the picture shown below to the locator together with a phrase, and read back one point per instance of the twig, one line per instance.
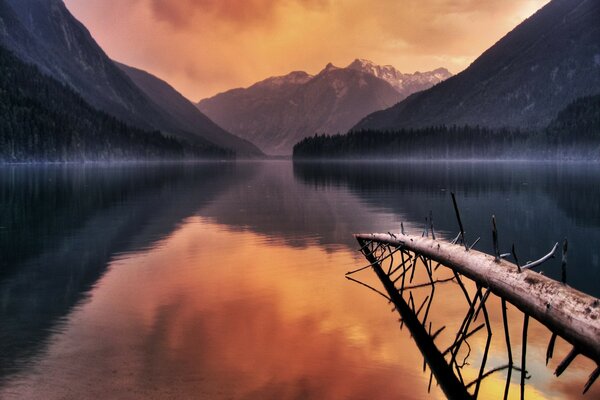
(460, 225)
(594, 375)
(456, 238)
(564, 364)
(564, 261)
(474, 243)
(548, 256)
(495, 239)
(429, 283)
(377, 261)
(550, 350)
(437, 332)
(514, 254)
(370, 287)
(524, 354)
(490, 372)
(508, 348)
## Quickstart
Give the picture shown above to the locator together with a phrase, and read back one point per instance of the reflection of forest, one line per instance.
(574, 187)
(536, 205)
(273, 203)
(63, 225)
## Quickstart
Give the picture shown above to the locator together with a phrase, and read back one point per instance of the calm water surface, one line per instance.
(226, 281)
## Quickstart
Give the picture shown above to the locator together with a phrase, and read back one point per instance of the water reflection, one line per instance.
(415, 299)
(536, 205)
(62, 226)
(248, 326)
(226, 280)
(275, 204)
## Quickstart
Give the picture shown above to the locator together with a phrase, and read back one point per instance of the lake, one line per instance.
(226, 280)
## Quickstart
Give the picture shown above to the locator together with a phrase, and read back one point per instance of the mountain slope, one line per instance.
(278, 112)
(44, 33)
(546, 62)
(41, 119)
(182, 110)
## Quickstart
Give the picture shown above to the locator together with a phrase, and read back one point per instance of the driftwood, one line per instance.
(567, 312)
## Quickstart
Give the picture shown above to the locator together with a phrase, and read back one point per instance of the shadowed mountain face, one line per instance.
(278, 112)
(182, 110)
(43, 120)
(524, 80)
(44, 33)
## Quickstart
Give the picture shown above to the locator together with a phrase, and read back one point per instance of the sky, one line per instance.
(204, 47)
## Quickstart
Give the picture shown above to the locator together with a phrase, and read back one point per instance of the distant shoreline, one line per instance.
(305, 161)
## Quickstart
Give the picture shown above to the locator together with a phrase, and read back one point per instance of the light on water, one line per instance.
(224, 281)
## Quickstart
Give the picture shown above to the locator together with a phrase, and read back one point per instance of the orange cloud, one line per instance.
(242, 13)
(206, 46)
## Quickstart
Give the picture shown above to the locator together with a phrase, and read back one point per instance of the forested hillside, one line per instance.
(41, 119)
(580, 120)
(426, 143)
(573, 134)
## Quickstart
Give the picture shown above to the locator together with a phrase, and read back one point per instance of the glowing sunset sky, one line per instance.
(203, 47)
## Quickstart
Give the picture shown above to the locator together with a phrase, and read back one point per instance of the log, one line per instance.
(571, 314)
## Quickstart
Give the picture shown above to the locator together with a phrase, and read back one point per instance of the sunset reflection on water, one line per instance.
(217, 311)
(210, 313)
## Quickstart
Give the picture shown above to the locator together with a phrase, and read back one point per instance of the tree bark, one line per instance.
(573, 315)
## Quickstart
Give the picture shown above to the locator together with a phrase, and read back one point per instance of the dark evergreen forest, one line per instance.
(574, 134)
(43, 120)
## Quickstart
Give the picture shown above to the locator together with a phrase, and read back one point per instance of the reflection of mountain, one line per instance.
(63, 226)
(536, 205)
(275, 204)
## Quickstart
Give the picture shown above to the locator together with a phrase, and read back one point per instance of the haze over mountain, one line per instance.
(278, 112)
(524, 80)
(44, 33)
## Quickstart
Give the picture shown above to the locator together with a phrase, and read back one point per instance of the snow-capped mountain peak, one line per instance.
(277, 112)
(403, 83)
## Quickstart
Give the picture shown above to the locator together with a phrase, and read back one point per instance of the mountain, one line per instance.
(574, 134)
(182, 110)
(44, 33)
(42, 119)
(278, 112)
(524, 80)
(405, 84)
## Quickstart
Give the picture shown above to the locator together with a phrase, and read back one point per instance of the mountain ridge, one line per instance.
(278, 111)
(44, 33)
(522, 81)
(181, 109)
(45, 120)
